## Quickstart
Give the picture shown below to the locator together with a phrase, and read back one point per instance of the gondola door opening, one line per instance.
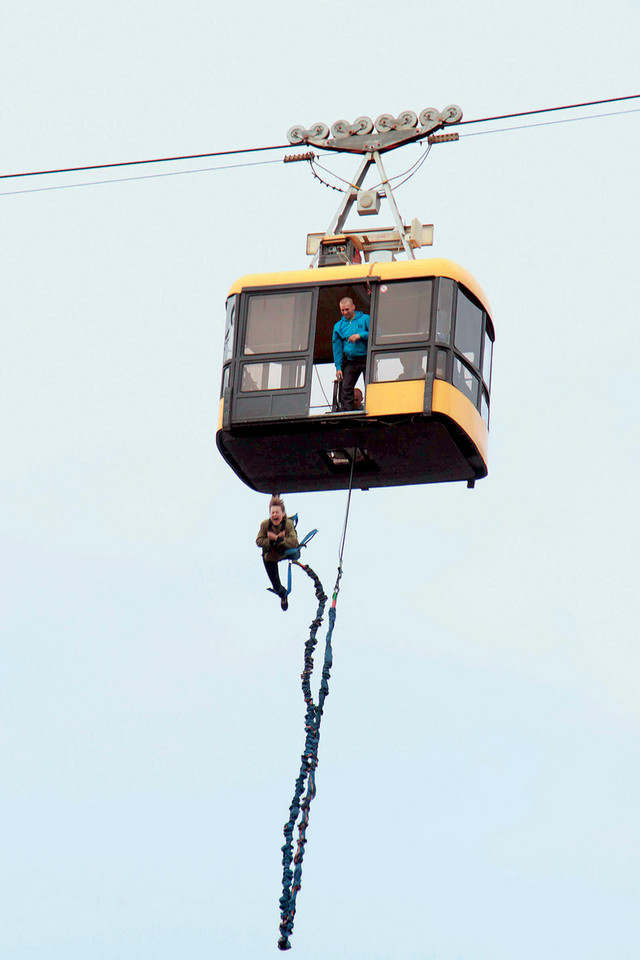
(323, 390)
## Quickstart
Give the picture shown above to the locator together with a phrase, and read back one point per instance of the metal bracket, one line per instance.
(350, 197)
(226, 408)
(427, 405)
(392, 131)
(357, 138)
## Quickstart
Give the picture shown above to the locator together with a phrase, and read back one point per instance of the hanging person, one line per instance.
(276, 535)
(350, 340)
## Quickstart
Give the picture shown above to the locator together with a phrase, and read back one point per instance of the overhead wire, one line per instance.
(407, 174)
(286, 146)
(548, 123)
(313, 163)
(147, 176)
(130, 163)
(569, 106)
(312, 166)
(413, 169)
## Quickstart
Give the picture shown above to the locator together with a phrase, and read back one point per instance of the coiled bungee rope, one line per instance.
(299, 808)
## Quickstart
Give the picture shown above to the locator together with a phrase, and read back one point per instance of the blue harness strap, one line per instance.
(293, 553)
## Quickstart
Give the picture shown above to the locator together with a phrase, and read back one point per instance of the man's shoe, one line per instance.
(284, 601)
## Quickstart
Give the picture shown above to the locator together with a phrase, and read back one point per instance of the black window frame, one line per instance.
(254, 295)
(397, 345)
(437, 347)
(233, 367)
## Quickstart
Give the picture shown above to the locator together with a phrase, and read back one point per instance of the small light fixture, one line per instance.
(368, 202)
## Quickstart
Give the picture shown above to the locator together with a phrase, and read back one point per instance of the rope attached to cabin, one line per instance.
(299, 808)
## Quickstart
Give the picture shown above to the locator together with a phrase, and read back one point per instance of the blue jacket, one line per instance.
(342, 348)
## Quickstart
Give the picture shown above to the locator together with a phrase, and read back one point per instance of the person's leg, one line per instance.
(271, 566)
(350, 373)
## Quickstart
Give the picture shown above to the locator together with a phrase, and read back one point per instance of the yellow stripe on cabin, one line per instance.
(361, 272)
(407, 396)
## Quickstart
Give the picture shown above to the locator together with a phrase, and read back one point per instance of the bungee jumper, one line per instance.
(278, 539)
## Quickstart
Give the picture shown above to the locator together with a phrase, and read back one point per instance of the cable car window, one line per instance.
(465, 380)
(444, 311)
(468, 329)
(229, 329)
(484, 408)
(441, 364)
(487, 358)
(404, 311)
(410, 365)
(278, 323)
(225, 379)
(278, 375)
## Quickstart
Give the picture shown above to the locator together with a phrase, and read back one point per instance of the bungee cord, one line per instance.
(299, 807)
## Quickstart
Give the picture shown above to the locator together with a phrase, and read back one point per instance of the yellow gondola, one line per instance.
(425, 415)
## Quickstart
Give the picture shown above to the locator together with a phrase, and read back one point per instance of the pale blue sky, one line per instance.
(478, 791)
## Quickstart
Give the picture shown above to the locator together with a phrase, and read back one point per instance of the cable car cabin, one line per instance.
(425, 414)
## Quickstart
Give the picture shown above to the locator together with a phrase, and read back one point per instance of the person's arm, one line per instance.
(363, 332)
(262, 540)
(337, 352)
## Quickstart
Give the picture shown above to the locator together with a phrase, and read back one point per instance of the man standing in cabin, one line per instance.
(350, 339)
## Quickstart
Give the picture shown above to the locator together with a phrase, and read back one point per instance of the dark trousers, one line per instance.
(271, 566)
(351, 370)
